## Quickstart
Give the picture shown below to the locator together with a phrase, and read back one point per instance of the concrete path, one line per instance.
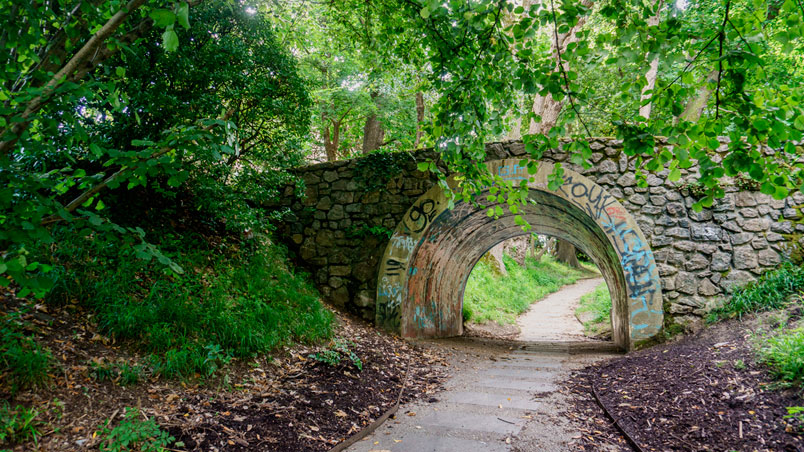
(502, 396)
(553, 318)
(497, 400)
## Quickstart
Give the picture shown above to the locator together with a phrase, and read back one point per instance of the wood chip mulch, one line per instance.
(703, 393)
(289, 403)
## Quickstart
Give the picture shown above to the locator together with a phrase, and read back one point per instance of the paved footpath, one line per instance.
(502, 396)
(497, 400)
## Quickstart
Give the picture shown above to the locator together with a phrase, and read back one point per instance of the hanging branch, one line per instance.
(80, 57)
(721, 37)
(564, 72)
(83, 197)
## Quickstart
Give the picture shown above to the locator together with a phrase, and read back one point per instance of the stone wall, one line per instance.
(339, 230)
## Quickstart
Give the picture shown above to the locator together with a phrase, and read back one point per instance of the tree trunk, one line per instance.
(373, 133)
(331, 141)
(545, 106)
(695, 107)
(548, 246)
(419, 118)
(653, 71)
(565, 253)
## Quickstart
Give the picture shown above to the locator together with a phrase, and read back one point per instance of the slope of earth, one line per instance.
(289, 403)
(702, 393)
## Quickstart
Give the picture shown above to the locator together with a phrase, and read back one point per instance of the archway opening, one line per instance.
(423, 273)
(535, 288)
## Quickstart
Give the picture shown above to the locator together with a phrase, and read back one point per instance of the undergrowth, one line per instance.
(770, 291)
(598, 303)
(234, 300)
(134, 434)
(491, 297)
(23, 363)
(18, 424)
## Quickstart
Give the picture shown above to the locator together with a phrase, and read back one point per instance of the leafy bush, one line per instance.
(597, 302)
(23, 363)
(134, 434)
(489, 296)
(784, 354)
(233, 300)
(771, 291)
(18, 425)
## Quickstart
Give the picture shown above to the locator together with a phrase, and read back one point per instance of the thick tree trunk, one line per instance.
(545, 106)
(419, 118)
(695, 107)
(565, 253)
(373, 133)
(653, 71)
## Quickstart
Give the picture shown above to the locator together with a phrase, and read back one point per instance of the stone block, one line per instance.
(745, 199)
(706, 232)
(324, 203)
(768, 258)
(675, 209)
(756, 224)
(707, 288)
(720, 262)
(735, 279)
(745, 258)
(696, 262)
(681, 233)
(686, 283)
(666, 270)
(759, 243)
(740, 238)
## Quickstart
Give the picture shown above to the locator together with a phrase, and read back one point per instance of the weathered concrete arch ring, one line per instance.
(426, 263)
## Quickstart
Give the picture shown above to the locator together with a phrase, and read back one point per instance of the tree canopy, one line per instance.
(209, 102)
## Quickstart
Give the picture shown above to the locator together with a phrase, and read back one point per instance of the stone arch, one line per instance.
(426, 263)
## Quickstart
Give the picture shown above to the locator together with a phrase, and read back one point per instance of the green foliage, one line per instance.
(490, 297)
(118, 372)
(783, 352)
(770, 291)
(133, 434)
(221, 114)
(23, 363)
(375, 170)
(235, 300)
(364, 230)
(18, 425)
(795, 416)
(597, 302)
(336, 353)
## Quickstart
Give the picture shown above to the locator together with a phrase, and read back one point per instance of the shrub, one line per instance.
(783, 353)
(23, 363)
(233, 300)
(336, 353)
(771, 291)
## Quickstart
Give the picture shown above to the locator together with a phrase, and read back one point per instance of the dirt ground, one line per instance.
(288, 403)
(702, 393)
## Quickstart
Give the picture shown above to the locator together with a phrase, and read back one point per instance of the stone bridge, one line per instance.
(379, 240)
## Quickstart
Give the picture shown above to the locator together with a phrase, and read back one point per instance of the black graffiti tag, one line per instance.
(394, 267)
(426, 212)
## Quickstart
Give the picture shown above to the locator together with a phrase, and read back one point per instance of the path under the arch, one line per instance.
(552, 319)
(500, 397)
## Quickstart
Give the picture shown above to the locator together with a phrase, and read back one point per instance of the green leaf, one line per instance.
(163, 18)
(674, 175)
(425, 13)
(120, 71)
(170, 40)
(183, 14)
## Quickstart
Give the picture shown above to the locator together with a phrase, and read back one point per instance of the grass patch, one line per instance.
(134, 434)
(23, 363)
(783, 353)
(490, 297)
(771, 291)
(598, 304)
(18, 425)
(233, 300)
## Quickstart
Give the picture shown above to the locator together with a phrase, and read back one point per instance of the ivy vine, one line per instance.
(373, 171)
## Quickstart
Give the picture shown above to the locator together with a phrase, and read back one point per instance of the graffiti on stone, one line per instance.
(403, 242)
(422, 214)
